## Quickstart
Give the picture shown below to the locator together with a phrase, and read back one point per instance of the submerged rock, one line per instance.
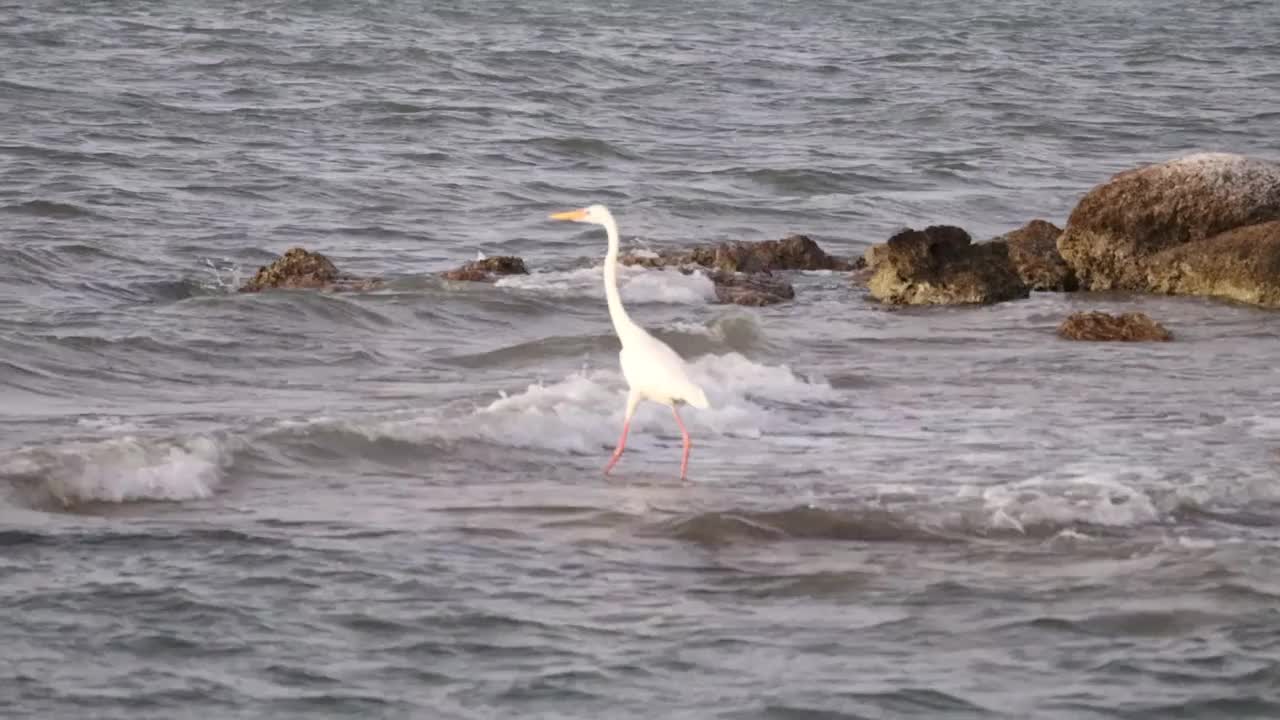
(300, 268)
(940, 265)
(1033, 250)
(1122, 233)
(486, 268)
(794, 252)
(1100, 326)
(754, 289)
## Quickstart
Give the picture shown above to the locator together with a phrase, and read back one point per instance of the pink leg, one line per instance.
(622, 444)
(684, 461)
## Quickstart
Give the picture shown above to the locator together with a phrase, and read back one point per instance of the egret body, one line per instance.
(653, 370)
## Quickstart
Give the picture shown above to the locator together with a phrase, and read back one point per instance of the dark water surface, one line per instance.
(388, 504)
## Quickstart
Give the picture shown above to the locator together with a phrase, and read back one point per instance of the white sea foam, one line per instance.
(121, 469)
(582, 412)
(224, 275)
(1093, 498)
(636, 285)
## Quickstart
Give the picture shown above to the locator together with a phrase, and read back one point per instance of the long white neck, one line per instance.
(622, 323)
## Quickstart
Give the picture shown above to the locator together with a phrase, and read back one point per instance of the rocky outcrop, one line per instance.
(940, 265)
(754, 289)
(743, 271)
(1123, 233)
(873, 256)
(301, 269)
(1033, 250)
(1100, 326)
(487, 269)
(795, 252)
(1241, 264)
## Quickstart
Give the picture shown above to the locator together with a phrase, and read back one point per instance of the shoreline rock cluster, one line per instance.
(1206, 224)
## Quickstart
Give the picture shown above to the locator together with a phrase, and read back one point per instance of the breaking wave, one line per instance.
(118, 469)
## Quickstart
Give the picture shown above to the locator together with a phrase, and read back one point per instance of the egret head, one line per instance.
(595, 214)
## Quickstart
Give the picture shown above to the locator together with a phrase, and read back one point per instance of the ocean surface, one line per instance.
(389, 504)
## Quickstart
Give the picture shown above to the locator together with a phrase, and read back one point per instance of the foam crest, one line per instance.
(636, 284)
(583, 412)
(1088, 500)
(120, 469)
(224, 275)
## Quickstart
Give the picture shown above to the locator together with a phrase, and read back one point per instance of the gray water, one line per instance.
(389, 503)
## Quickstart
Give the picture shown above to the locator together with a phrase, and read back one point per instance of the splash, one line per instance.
(582, 412)
(638, 285)
(120, 469)
(1088, 500)
(224, 275)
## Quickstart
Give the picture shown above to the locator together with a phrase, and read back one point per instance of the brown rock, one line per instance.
(297, 268)
(941, 265)
(486, 269)
(301, 269)
(1099, 326)
(1033, 250)
(657, 261)
(1241, 264)
(755, 289)
(874, 255)
(794, 252)
(1119, 225)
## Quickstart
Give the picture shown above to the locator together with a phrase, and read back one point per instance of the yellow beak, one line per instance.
(570, 215)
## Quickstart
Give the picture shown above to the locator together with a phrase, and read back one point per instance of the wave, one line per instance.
(49, 209)
(636, 284)
(738, 333)
(115, 470)
(1060, 503)
(575, 147)
(1088, 509)
(580, 413)
(801, 523)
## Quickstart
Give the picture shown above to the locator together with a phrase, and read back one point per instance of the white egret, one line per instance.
(652, 369)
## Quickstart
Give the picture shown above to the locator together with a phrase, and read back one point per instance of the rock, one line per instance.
(653, 260)
(755, 289)
(299, 268)
(1241, 264)
(1033, 250)
(1118, 226)
(873, 256)
(794, 252)
(485, 269)
(1132, 327)
(941, 266)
